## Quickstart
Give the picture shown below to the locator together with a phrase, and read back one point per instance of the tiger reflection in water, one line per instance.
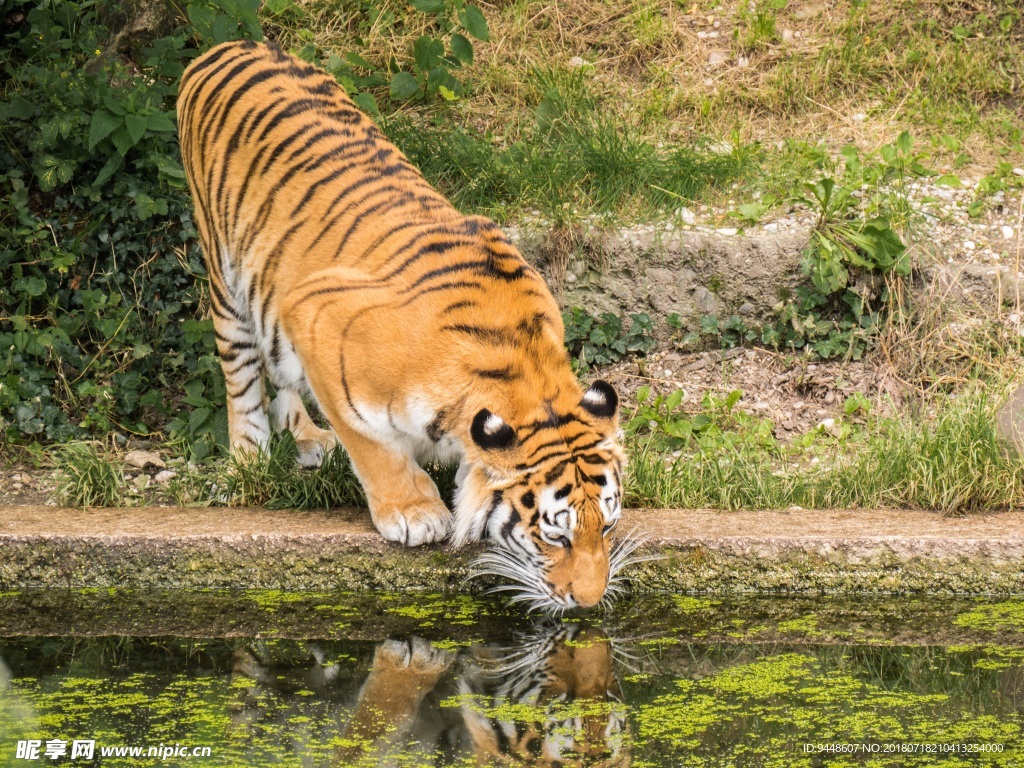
(451, 707)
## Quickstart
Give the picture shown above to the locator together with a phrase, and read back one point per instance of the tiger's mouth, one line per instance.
(527, 584)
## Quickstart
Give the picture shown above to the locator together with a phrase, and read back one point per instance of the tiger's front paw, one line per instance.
(421, 522)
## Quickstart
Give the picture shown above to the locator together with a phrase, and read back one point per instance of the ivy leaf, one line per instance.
(404, 86)
(473, 21)
(102, 125)
(462, 49)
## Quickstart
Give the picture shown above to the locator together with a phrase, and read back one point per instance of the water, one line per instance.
(267, 678)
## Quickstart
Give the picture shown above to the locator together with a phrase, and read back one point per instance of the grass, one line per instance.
(87, 477)
(950, 461)
(627, 87)
(948, 458)
(574, 159)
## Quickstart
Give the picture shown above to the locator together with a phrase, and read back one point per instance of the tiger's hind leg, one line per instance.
(287, 411)
(242, 363)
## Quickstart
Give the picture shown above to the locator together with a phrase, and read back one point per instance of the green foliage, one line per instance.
(573, 158)
(601, 340)
(953, 462)
(88, 478)
(435, 57)
(717, 425)
(853, 250)
(97, 320)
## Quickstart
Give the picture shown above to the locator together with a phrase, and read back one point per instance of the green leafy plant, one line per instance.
(97, 318)
(668, 426)
(88, 478)
(601, 340)
(434, 59)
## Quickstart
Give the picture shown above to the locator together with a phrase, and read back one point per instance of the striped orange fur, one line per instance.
(338, 272)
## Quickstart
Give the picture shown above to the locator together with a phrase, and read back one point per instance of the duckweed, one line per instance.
(673, 681)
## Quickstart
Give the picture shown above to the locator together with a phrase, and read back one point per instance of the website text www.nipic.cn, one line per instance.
(87, 749)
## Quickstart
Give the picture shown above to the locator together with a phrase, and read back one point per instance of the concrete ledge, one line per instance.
(798, 552)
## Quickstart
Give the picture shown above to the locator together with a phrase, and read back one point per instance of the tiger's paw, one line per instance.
(313, 451)
(415, 654)
(421, 522)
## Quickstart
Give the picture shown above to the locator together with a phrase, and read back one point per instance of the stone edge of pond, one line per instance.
(802, 552)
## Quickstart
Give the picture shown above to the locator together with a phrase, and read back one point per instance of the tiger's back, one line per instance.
(338, 271)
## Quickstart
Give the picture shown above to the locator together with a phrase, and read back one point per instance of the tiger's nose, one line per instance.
(585, 596)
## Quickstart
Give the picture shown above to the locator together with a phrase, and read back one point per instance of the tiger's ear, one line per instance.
(600, 400)
(490, 431)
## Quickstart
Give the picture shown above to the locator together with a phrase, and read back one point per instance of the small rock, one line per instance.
(716, 58)
(969, 245)
(727, 231)
(787, 35)
(120, 439)
(743, 61)
(746, 308)
(859, 117)
(143, 459)
(771, 226)
(17, 486)
(142, 482)
(1007, 233)
(1018, 171)
(830, 397)
(809, 11)
(163, 478)
(577, 61)
(830, 426)
(687, 216)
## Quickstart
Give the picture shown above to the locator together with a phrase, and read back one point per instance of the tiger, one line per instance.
(340, 274)
(552, 699)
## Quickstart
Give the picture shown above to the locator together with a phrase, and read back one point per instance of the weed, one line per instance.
(952, 462)
(600, 340)
(88, 478)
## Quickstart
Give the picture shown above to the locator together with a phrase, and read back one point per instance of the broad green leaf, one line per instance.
(358, 61)
(17, 108)
(462, 48)
(428, 6)
(948, 180)
(277, 6)
(367, 103)
(136, 125)
(109, 168)
(473, 21)
(404, 86)
(224, 28)
(102, 125)
(160, 122)
(673, 400)
(202, 18)
(427, 52)
(905, 142)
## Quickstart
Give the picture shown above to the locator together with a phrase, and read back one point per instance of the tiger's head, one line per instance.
(546, 491)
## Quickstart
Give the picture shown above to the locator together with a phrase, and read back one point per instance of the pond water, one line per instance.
(269, 678)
